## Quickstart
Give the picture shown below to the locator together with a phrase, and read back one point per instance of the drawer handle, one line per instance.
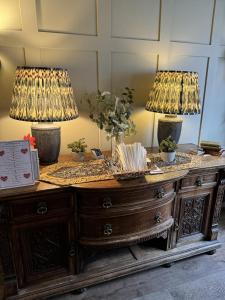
(199, 181)
(160, 193)
(42, 208)
(107, 229)
(158, 217)
(107, 203)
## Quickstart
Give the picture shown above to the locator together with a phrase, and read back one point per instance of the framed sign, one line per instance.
(15, 164)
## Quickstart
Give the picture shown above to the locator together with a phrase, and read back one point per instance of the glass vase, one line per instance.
(115, 141)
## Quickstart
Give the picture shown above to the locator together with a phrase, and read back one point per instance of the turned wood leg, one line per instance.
(211, 252)
(78, 291)
(168, 265)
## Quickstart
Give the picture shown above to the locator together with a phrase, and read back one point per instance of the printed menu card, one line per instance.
(15, 164)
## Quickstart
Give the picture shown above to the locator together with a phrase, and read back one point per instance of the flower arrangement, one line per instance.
(112, 113)
(31, 139)
(78, 146)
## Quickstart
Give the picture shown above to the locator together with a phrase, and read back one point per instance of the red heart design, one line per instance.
(24, 151)
(4, 178)
(2, 153)
(27, 175)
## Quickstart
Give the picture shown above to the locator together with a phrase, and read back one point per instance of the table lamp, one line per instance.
(173, 93)
(43, 95)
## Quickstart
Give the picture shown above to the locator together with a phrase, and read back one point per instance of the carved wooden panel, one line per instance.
(44, 250)
(191, 216)
(5, 253)
(219, 199)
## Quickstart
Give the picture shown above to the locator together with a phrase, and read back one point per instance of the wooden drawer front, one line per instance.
(198, 180)
(116, 227)
(111, 198)
(44, 205)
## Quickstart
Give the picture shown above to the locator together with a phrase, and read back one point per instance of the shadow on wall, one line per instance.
(140, 82)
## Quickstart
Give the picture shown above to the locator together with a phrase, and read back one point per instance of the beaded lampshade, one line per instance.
(174, 93)
(43, 95)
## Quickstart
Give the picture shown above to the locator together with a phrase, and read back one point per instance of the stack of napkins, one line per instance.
(131, 158)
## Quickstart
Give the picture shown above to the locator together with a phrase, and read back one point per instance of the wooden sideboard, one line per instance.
(54, 240)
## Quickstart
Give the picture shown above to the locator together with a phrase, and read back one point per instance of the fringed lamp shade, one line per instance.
(175, 92)
(43, 95)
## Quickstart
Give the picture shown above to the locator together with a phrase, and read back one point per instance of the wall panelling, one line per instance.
(110, 44)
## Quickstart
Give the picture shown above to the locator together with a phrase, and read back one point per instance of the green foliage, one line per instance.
(78, 146)
(112, 113)
(168, 145)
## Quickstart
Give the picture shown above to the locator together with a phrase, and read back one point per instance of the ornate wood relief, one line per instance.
(5, 253)
(4, 214)
(47, 247)
(219, 200)
(192, 210)
(4, 243)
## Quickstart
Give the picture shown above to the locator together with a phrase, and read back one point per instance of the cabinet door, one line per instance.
(194, 213)
(44, 250)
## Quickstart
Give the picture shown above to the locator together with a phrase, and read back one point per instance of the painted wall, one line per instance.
(110, 44)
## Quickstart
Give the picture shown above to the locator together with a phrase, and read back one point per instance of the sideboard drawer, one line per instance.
(99, 230)
(42, 206)
(113, 198)
(198, 180)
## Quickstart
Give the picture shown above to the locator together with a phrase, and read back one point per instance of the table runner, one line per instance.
(69, 173)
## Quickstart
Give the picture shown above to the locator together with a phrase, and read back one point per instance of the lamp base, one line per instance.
(47, 138)
(170, 125)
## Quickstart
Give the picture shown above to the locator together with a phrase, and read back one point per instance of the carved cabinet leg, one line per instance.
(217, 207)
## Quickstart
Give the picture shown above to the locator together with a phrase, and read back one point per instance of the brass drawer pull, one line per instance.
(158, 217)
(107, 203)
(160, 193)
(42, 208)
(199, 181)
(107, 229)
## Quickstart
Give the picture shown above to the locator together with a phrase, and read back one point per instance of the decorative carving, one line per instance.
(219, 200)
(4, 214)
(47, 247)
(192, 215)
(5, 253)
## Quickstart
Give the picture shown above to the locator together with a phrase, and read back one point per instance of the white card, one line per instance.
(15, 164)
